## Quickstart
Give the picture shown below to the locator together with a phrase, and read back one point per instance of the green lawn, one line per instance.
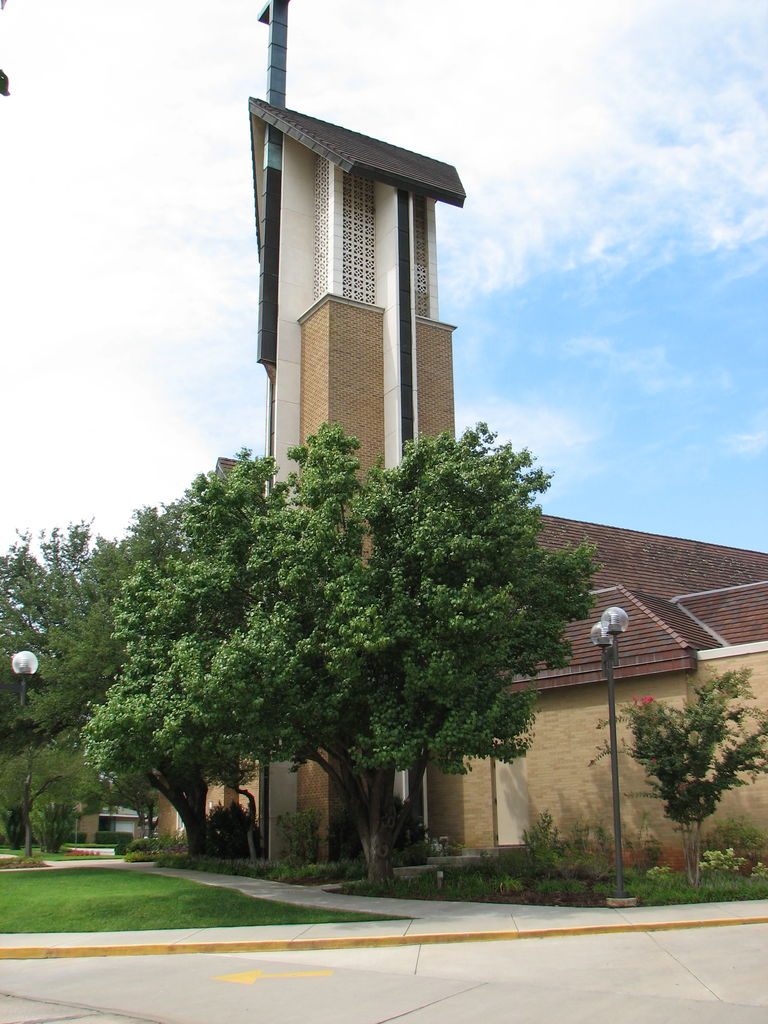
(64, 855)
(88, 900)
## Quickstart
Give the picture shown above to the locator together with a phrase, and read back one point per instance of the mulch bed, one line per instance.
(546, 899)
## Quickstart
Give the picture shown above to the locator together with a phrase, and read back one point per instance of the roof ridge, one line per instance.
(702, 624)
(646, 533)
(719, 590)
(353, 131)
(636, 596)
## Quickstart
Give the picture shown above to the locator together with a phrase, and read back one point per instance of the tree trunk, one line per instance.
(26, 812)
(370, 799)
(376, 824)
(251, 834)
(692, 852)
(188, 798)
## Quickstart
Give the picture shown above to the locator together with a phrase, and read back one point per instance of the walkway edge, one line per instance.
(355, 942)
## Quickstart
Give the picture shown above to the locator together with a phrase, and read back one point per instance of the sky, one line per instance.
(608, 274)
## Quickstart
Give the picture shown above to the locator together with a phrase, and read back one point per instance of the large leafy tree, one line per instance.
(379, 623)
(54, 601)
(165, 717)
(406, 604)
(370, 626)
(57, 599)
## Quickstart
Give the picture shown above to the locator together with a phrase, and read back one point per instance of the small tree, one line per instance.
(692, 755)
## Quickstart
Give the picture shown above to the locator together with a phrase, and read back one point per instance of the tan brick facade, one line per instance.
(462, 806)
(434, 375)
(566, 739)
(342, 373)
(316, 790)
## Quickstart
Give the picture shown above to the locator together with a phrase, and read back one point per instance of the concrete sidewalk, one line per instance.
(423, 922)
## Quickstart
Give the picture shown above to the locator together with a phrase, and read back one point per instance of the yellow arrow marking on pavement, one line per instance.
(249, 977)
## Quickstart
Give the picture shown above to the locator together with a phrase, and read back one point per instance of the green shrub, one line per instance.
(176, 842)
(13, 826)
(120, 840)
(644, 847)
(543, 847)
(724, 861)
(174, 860)
(508, 884)
(414, 854)
(555, 885)
(52, 824)
(587, 852)
(226, 833)
(300, 831)
(739, 834)
(140, 846)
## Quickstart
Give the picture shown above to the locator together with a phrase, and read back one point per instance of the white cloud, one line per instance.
(752, 441)
(564, 441)
(552, 435)
(648, 366)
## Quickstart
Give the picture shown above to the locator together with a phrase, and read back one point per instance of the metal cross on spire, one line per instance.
(275, 14)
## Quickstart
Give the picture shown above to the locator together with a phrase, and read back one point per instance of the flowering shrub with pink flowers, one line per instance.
(694, 754)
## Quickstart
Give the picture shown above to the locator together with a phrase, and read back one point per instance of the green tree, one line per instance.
(387, 617)
(132, 790)
(163, 717)
(54, 602)
(57, 599)
(407, 603)
(41, 774)
(694, 754)
(369, 626)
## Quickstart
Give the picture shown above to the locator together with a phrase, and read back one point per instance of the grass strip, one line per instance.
(84, 900)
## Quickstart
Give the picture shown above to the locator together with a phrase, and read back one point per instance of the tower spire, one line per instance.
(275, 14)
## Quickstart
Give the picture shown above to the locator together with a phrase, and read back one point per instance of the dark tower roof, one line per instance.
(366, 157)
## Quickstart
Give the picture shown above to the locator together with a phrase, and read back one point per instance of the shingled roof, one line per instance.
(366, 157)
(654, 564)
(666, 586)
(738, 614)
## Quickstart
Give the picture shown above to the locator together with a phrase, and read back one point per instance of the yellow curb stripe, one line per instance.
(357, 942)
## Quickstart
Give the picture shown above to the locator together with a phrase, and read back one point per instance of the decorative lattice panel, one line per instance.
(420, 256)
(359, 270)
(323, 179)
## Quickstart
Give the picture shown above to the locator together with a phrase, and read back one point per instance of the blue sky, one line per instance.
(607, 274)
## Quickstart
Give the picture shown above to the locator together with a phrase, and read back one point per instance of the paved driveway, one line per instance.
(691, 976)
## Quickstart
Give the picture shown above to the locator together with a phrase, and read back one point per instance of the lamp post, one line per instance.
(24, 664)
(605, 634)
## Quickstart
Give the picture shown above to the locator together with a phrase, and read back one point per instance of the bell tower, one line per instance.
(349, 327)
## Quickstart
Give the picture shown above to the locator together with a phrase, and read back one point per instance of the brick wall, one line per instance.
(342, 373)
(315, 789)
(434, 374)
(561, 781)
(461, 806)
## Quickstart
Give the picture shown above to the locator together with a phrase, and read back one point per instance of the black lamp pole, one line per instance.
(605, 634)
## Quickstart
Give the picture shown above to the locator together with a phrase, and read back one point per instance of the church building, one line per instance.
(350, 332)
